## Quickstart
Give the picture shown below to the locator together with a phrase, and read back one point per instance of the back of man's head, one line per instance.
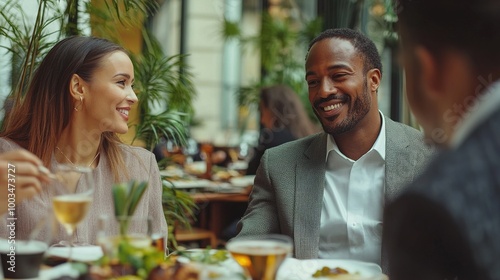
(467, 26)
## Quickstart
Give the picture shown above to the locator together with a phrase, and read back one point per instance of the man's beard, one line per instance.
(357, 112)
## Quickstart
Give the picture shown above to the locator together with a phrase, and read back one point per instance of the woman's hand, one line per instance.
(21, 177)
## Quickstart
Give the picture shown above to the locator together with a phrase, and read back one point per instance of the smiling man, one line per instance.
(327, 191)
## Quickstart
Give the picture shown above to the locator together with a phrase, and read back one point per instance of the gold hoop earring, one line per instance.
(81, 102)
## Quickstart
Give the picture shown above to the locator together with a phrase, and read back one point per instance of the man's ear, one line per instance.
(373, 77)
(76, 86)
(430, 76)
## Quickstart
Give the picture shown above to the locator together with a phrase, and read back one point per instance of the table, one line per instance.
(214, 214)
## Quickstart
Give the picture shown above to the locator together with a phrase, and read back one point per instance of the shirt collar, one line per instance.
(378, 146)
(486, 103)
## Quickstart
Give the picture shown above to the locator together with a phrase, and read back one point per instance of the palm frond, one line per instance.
(169, 124)
(164, 81)
(27, 42)
(230, 30)
(179, 209)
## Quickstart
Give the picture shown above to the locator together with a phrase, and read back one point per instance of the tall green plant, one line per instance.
(26, 42)
(281, 43)
(165, 83)
(179, 209)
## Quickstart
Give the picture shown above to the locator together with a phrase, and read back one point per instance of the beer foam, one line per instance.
(23, 246)
(73, 198)
(258, 247)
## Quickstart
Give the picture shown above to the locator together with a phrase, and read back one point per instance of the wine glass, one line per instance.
(72, 196)
(260, 255)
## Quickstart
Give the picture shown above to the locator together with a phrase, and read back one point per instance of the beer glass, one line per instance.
(260, 255)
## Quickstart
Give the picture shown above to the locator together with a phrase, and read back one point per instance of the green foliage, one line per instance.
(282, 44)
(390, 18)
(169, 124)
(179, 209)
(27, 43)
(163, 82)
(133, 261)
(207, 256)
(231, 29)
(126, 197)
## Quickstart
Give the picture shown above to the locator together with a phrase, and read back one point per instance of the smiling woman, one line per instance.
(110, 93)
(76, 104)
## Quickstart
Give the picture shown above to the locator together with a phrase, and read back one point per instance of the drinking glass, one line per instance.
(72, 196)
(132, 232)
(260, 255)
(21, 257)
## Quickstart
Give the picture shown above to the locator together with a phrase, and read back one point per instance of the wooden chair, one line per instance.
(196, 234)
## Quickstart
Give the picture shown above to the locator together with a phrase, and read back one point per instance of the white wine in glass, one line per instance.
(261, 256)
(72, 196)
(70, 210)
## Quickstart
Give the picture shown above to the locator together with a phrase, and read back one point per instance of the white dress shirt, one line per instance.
(351, 217)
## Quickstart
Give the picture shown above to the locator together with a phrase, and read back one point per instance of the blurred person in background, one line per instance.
(446, 225)
(283, 118)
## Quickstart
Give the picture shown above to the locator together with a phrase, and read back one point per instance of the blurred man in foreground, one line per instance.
(447, 224)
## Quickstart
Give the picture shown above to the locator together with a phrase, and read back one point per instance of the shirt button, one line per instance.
(354, 224)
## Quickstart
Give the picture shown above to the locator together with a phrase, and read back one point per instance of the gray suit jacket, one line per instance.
(288, 188)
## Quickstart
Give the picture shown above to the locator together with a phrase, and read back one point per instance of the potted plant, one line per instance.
(179, 209)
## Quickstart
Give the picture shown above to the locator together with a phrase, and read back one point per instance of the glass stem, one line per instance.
(71, 241)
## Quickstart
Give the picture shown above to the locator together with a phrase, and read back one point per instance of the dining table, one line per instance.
(219, 210)
(220, 203)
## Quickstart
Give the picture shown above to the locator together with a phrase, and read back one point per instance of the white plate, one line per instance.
(243, 181)
(79, 253)
(172, 173)
(189, 184)
(294, 269)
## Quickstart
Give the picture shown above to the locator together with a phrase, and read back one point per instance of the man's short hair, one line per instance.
(361, 43)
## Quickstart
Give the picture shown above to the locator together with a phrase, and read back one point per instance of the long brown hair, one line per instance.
(288, 110)
(37, 121)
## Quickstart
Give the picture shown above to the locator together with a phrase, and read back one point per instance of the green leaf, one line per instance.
(126, 197)
(120, 194)
(136, 194)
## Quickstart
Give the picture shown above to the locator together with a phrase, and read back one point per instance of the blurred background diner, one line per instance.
(283, 118)
(205, 75)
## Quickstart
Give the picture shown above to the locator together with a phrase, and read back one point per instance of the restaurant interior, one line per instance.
(202, 95)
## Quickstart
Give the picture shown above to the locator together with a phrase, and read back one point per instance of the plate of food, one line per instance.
(327, 269)
(78, 253)
(214, 264)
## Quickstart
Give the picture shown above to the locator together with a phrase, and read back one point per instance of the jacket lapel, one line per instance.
(309, 178)
(399, 160)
